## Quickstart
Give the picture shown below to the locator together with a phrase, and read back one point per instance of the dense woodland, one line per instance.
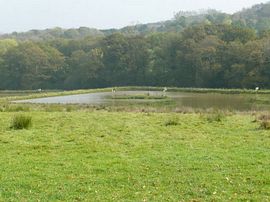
(208, 49)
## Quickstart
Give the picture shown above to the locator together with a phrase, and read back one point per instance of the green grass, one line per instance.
(129, 152)
(109, 156)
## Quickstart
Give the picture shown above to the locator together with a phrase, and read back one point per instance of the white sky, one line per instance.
(23, 15)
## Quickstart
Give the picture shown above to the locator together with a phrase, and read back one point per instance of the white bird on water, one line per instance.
(164, 91)
(257, 89)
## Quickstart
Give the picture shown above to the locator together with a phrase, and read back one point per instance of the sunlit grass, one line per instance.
(132, 152)
(109, 156)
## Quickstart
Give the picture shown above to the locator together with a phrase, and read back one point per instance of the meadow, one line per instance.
(129, 153)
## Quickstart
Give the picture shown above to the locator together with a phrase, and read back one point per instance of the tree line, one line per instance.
(206, 55)
(257, 17)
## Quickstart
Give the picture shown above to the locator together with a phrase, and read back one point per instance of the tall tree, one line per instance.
(30, 66)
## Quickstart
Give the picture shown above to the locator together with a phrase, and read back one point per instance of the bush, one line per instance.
(20, 122)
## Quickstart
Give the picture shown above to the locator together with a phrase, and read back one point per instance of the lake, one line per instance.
(241, 102)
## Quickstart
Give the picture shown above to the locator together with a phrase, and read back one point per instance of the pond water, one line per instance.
(241, 102)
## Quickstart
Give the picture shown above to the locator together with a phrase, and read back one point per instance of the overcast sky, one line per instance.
(23, 15)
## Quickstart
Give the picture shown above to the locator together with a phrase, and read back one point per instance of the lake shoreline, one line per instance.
(146, 100)
(30, 94)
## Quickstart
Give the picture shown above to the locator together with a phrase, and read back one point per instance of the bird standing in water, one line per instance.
(164, 91)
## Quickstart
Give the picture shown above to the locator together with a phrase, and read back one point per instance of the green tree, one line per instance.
(29, 66)
(125, 59)
(84, 69)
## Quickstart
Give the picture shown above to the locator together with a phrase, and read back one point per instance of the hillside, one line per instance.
(54, 33)
(257, 17)
(204, 50)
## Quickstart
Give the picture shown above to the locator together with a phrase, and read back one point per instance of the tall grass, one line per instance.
(20, 122)
(216, 116)
(174, 121)
(264, 120)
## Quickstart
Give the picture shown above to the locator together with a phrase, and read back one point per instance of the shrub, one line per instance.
(20, 122)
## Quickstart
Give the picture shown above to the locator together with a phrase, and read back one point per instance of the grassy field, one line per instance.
(109, 156)
(134, 152)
